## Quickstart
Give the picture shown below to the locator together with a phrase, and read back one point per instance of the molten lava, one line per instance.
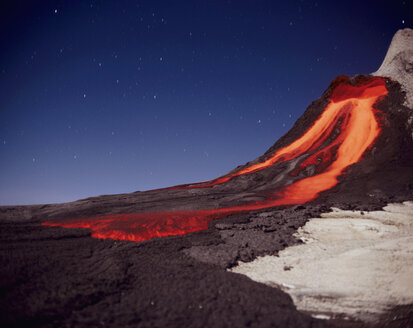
(337, 139)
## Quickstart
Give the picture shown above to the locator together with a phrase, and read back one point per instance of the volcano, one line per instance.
(181, 256)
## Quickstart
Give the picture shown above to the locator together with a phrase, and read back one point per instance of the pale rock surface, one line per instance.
(398, 63)
(352, 264)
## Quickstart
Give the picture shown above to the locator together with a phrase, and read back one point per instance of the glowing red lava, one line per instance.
(350, 111)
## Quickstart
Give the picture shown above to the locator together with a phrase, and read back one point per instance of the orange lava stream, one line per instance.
(342, 96)
(350, 112)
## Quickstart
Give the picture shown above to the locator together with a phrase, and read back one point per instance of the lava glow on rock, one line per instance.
(337, 139)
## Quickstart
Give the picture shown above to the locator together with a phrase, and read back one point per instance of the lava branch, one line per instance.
(352, 107)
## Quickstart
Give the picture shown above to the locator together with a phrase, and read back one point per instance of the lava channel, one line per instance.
(350, 107)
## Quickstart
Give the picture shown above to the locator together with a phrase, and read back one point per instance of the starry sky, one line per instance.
(105, 97)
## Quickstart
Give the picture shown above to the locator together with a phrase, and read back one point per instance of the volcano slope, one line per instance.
(110, 268)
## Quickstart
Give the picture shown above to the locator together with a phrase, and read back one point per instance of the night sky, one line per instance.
(105, 97)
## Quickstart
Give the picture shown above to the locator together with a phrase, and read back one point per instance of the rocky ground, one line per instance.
(52, 276)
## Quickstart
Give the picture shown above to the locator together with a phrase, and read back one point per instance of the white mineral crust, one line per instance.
(351, 263)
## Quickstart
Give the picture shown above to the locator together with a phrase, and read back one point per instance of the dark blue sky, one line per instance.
(104, 97)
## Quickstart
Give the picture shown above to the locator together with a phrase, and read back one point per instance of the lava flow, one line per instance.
(337, 139)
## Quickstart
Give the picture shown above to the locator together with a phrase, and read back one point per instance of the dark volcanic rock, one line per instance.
(262, 233)
(66, 278)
